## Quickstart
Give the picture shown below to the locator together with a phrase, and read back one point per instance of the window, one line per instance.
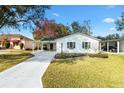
(86, 45)
(71, 45)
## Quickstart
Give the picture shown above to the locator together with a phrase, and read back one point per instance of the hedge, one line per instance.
(72, 55)
(99, 55)
(68, 55)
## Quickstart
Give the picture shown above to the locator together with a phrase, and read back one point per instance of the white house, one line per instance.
(74, 43)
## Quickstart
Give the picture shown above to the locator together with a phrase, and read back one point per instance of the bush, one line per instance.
(68, 55)
(21, 45)
(73, 55)
(7, 45)
(99, 55)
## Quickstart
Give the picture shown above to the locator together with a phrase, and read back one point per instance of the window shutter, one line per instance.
(83, 44)
(89, 44)
(67, 44)
(74, 44)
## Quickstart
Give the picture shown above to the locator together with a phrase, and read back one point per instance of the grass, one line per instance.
(86, 73)
(10, 59)
(11, 51)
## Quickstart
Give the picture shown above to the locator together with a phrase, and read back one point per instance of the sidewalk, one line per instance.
(27, 74)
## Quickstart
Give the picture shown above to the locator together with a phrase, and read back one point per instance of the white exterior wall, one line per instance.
(78, 39)
(121, 45)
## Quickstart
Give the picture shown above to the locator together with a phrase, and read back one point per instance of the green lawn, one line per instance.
(11, 59)
(86, 73)
(11, 51)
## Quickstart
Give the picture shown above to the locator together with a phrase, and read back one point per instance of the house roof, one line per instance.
(8, 36)
(50, 39)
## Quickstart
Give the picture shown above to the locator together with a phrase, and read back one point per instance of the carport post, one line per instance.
(117, 46)
(41, 46)
(107, 46)
(100, 46)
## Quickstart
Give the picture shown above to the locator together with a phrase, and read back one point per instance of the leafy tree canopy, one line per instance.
(120, 23)
(62, 30)
(109, 37)
(27, 16)
(84, 28)
(75, 26)
(47, 29)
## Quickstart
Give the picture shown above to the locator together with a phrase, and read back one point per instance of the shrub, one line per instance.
(21, 45)
(99, 55)
(7, 45)
(68, 55)
(73, 55)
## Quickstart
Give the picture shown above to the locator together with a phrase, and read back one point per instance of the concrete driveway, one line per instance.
(27, 74)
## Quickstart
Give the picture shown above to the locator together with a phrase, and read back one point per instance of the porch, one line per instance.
(112, 46)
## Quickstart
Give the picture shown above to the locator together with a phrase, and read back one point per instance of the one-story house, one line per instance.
(81, 43)
(15, 40)
(74, 43)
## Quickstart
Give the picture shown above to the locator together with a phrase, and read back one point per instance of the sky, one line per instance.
(101, 18)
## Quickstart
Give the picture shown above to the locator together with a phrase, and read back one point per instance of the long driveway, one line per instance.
(27, 74)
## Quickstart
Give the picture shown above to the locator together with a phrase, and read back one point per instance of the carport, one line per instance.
(111, 46)
(48, 45)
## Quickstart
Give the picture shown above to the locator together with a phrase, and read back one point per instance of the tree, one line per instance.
(62, 30)
(75, 26)
(47, 29)
(68, 29)
(16, 16)
(109, 37)
(112, 36)
(28, 16)
(100, 37)
(38, 34)
(86, 28)
(120, 23)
